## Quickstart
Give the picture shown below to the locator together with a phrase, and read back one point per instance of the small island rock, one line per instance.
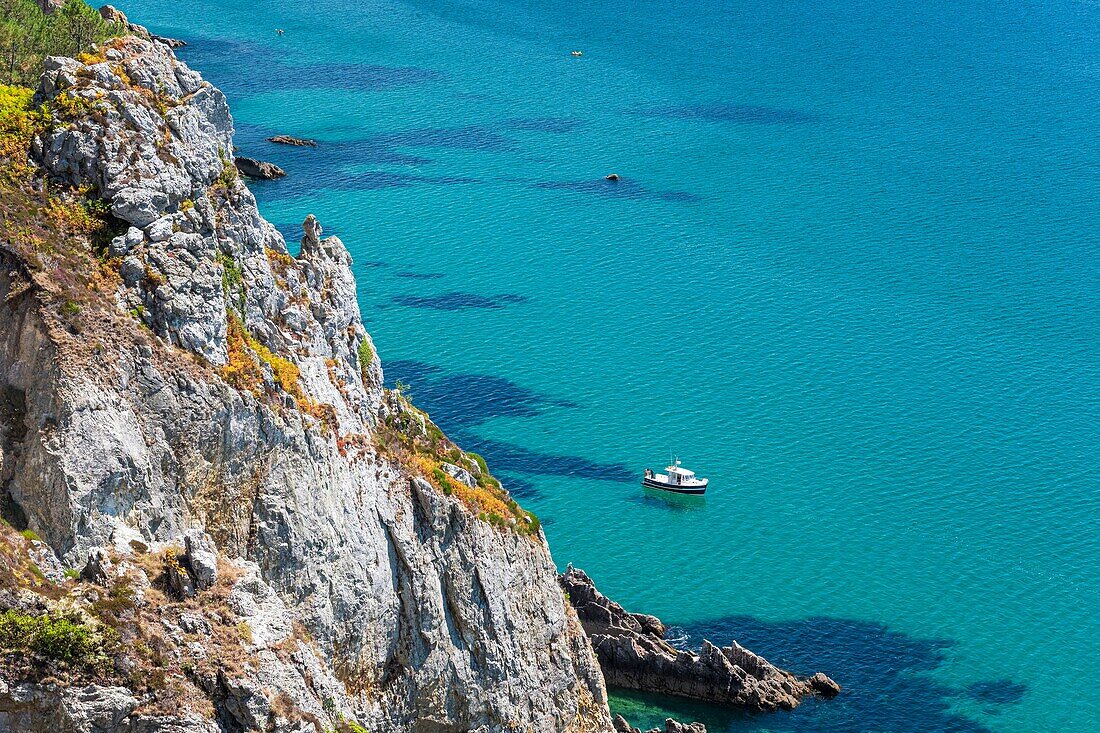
(634, 654)
(252, 168)
(295, 141)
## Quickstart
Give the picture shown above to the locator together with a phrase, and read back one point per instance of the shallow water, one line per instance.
(850, 273)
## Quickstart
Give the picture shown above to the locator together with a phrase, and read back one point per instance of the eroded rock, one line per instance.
(290, 140)
(459, 474)
(201, 557)
(111, 14)
(258, 169)
(634, 654)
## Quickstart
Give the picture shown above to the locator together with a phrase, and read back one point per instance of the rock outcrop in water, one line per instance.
(671, 726)
(634, 654)
(295, 141)
(258, 169)
(265, 526)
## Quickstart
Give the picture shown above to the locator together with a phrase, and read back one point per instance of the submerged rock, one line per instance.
(258, 169)
(671, 726)
(634, 654)
(290, 140)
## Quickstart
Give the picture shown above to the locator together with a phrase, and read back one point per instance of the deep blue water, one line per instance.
(851, 273)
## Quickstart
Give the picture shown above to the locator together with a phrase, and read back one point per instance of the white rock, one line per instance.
(202, 555)
(460, 474)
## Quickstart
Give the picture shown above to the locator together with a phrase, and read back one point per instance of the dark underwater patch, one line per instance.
(458, 402)
(470, 137)
(302, 186)
(885, 676)
(419, 275)
(620, 189)
(997, 692)
(375, 180)
(520, 489)
(355, 77)
(743, 114)
(456, 301)
(557, 125)
(268, 70)
(409, 371)
(511, 458)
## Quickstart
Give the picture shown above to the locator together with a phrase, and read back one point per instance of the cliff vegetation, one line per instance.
(28, 35)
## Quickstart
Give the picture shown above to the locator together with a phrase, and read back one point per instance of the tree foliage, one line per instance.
(28, 35)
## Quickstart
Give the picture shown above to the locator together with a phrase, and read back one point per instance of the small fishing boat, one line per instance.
(678, 480)
(576, 54)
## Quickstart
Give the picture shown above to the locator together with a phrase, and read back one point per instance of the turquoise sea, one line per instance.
(851, 273)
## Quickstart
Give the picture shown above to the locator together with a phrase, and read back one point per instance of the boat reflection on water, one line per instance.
(676, 502)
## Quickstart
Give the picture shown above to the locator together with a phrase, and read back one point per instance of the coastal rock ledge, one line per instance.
(634, 655)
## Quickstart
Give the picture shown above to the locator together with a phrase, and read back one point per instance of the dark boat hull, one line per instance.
(692, 490)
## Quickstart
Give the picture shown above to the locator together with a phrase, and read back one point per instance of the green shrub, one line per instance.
(31, 535)
(366, 356)
(226, 180)
(52, 637)
(232, 279)
(443, 480)
(344, 725)
(27, 36)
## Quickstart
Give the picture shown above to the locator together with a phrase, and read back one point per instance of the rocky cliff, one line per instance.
(201, 413)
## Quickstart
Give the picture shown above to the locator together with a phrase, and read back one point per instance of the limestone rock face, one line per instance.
(280, 684)
(634, 654)
(244, 402)
(111, 14)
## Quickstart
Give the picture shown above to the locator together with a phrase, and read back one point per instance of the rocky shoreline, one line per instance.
(634, 654)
